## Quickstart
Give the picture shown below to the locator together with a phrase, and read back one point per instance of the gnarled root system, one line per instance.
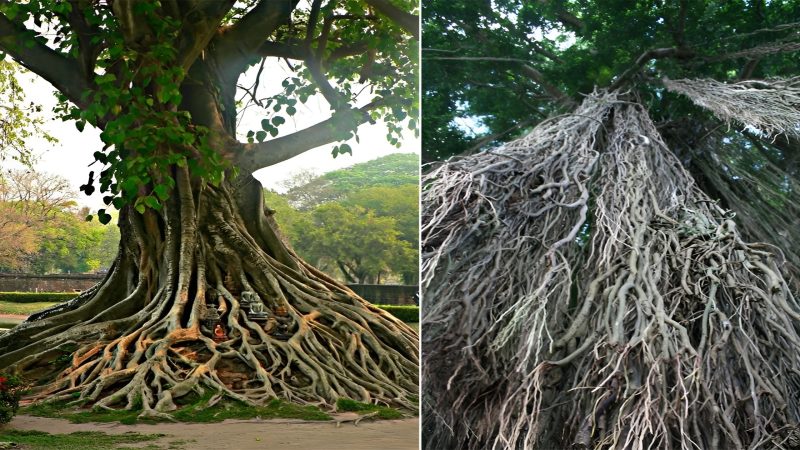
(581, 292)
(145, 337)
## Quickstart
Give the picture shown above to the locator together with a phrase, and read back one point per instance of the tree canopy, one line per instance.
(507, 65)
(121, 66)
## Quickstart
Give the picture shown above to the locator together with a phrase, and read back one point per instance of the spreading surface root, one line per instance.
(142, 339)
(581, 292)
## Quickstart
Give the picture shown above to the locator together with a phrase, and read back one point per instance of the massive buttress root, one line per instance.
(581, 292)
(140, 339)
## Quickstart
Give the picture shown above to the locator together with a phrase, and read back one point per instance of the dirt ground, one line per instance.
(12, 317)
(284, 434)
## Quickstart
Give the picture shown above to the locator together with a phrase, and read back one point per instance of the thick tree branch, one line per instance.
(250, 31)
(644, 58)
(334, 98)
(565, 17)
(405, 20)
(200, 24)
(236, 45)
(268, 153)
(61, 71)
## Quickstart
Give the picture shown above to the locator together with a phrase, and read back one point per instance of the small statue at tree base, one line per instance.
(219, 334)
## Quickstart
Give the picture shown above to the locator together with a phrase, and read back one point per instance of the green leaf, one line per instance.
(106, 78)
(80, 125)
(278, 120)
(161, 191)
(103, 217)
(152, 202)
(261, 135)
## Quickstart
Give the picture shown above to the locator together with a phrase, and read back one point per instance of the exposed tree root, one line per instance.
(581, 292)
(141, 340)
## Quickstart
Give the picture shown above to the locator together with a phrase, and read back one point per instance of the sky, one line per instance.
(72, 155)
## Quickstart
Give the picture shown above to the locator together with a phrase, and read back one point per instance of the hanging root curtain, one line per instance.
(581, 292)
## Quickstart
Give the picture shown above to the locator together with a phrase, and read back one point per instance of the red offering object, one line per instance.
(219, 333)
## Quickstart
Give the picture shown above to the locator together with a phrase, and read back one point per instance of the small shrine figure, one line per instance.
(251, 303)
(246, 300)
(280, 330)
(230, 284)
(219, 334)
(258, 313)
(210, 317)
(271, 325)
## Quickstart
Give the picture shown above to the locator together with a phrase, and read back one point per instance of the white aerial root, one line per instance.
(581, 292)
(771, 106)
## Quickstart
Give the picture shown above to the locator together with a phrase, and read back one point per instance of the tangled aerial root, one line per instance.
(771, 106)
(153, 346)
(582, 292)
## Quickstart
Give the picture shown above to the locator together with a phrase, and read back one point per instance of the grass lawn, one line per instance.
(81, 440)
(196, 412)
(25, 309)
(195, 409)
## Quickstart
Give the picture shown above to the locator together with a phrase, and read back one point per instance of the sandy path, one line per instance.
(283, 434)
(13, 317)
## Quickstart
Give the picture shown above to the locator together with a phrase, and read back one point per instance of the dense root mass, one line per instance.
(147, 335)
(581, 292)
(762, 189)
(770, 106)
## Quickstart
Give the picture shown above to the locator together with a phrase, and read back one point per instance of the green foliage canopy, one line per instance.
(137, 70)
(501, 67)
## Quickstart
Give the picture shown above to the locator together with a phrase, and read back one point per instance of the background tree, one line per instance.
(159, 78)
(354, 240)
(20, 119)
(376, 202)
(70, 244)
(28, 201)
(583, 258)
(306, 190)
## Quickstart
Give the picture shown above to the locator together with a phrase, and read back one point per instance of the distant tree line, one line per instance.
(360, 223)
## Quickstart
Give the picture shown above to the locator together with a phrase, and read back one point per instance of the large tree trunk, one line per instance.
(142, 333)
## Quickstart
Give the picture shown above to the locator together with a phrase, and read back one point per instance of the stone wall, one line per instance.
(382, 294)
(47, 283)
(386, 294)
